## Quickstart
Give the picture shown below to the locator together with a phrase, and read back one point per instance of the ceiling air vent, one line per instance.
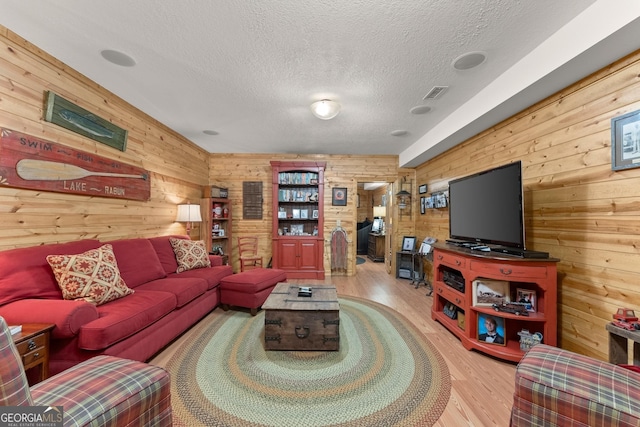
(435, 92)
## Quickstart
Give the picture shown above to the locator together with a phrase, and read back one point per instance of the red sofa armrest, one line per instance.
(68, 316)
(216, 260)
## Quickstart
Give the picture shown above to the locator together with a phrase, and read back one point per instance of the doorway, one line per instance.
(371, 229)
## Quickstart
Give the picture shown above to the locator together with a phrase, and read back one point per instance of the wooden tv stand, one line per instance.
(461, 266)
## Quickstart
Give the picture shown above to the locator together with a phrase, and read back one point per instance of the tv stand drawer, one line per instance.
(506, 271)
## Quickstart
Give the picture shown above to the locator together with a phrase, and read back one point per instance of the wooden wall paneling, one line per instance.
(341, 171)
(178, 167)
(576, 207)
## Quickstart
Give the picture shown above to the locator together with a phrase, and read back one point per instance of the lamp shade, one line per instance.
(189, 213)
(325, 109)
(379, 211)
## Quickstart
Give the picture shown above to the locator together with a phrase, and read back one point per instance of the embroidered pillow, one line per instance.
(92, 276)
(190, 254)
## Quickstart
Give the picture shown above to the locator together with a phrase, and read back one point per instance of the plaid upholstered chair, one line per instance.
(102, 391)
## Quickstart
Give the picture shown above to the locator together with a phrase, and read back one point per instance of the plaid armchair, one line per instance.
(102, 391)
(556, 387)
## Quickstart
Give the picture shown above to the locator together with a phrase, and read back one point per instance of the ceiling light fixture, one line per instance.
(325, 109)
(399, 132)
(210, 132)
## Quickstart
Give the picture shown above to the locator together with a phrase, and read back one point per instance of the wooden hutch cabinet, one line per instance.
(456, 269)
(216, 228)
(298, 218)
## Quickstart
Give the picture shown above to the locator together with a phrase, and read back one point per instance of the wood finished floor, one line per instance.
(482, 387)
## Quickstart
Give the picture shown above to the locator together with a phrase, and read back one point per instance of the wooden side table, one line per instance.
(33, 346)
(619, 345)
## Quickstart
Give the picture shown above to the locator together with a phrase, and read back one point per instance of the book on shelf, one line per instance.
(15, 329)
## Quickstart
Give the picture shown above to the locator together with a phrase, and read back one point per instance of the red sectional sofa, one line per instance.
(164, 303)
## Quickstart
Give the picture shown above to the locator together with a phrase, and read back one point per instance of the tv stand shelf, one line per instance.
(538, 276)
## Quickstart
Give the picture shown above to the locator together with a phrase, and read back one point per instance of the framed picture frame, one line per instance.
(295, 213)
(314, 214)
(422, 189)
(339, 196)
(491, 329)
(297, 229)
(409, 243)
(304, 213)
(423, 205)
(487, 292)
(282, 215)
(625, 141)
(527, 297)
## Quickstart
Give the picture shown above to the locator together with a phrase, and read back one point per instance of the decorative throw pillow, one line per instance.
(92, 276)
(190, 254)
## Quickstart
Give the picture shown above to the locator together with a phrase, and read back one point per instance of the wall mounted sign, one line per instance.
(30, 162)
(68, 115)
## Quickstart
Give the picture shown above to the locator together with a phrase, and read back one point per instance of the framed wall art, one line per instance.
(339, 196)
(409, 243)
(625, 141)
(491, 329)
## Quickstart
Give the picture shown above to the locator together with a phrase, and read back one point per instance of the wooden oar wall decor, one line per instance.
(29, 162)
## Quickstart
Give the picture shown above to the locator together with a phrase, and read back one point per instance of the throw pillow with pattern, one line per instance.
(92, 276)
(190, 254)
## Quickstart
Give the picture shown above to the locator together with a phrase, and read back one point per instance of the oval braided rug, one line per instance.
(385, 374)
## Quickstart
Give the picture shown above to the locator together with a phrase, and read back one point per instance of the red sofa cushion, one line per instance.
(25, 272)
(165, 252)
(138, 261)
(212, 275)
(185, 289)
(124, 317)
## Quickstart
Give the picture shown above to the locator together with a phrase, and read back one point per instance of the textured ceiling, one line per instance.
(250, 69)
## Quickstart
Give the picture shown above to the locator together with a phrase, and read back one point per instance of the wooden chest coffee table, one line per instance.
(292, 322)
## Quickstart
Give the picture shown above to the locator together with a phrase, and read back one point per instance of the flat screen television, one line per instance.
(488, 207)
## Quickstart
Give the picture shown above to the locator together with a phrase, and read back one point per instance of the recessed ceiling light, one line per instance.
(210, 132)
(420, 109)
(118, 58)
(399, 132)
(469, 60)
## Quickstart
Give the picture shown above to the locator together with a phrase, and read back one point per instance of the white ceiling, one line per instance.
(250, 69)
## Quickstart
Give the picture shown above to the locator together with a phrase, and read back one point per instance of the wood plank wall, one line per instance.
(230, 170)
(178, 167)
(577, 208)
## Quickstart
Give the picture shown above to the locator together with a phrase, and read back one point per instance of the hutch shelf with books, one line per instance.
(217, 225)
(467, 284)
(298, 218)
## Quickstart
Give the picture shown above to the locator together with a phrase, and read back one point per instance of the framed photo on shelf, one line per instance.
(339, 196)
(282, 215)
(527, 297)
(487, 292)
(304, 214)
(314, 214)
(297, 229)
(625, 141)
(491, 329)
(409, 243)
(296, 213)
